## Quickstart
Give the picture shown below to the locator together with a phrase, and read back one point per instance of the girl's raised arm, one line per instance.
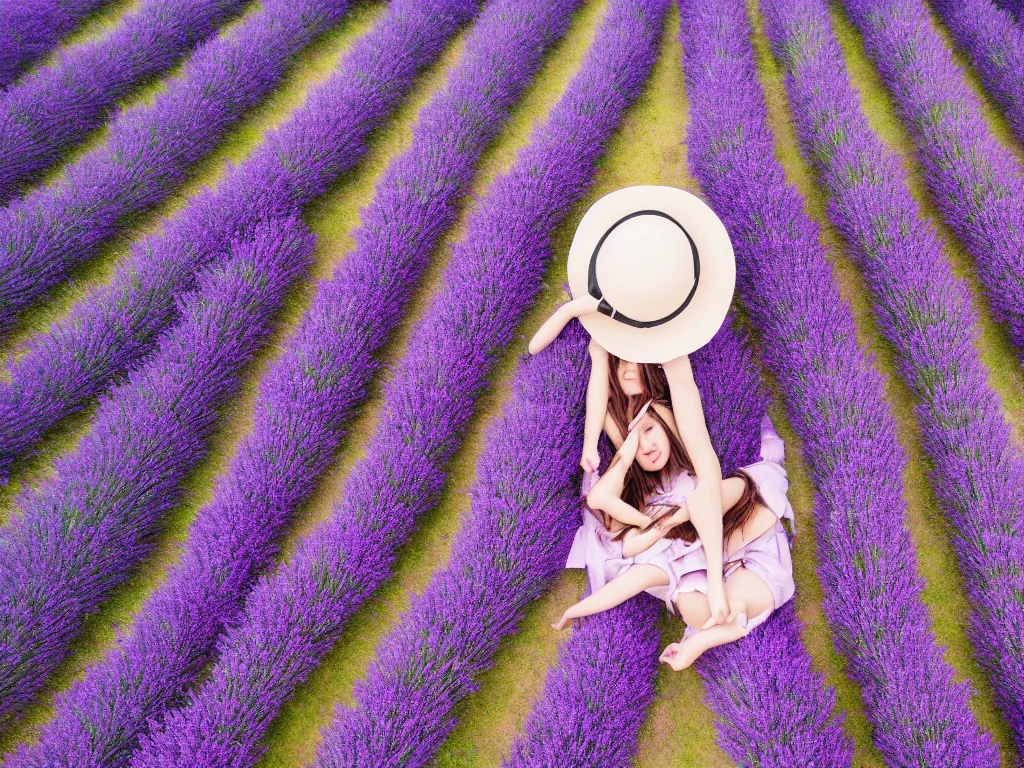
(597, 406)
(606, 495)
(705, 501)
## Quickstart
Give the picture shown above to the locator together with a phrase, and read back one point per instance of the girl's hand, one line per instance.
(678, 517)
(590, 459)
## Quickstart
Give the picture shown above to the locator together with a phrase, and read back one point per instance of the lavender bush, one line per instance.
(54, 108)
(976, 182)
(108, 331)
(995, 45)
(926, 313)
(306, 399)
(29, 29)
(597, 695)
(524, 509)
(292, 618)
(772, 710)
(50, 231)
(836, 403)
(79, 534)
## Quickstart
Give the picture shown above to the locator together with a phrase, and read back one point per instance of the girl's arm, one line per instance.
(554, 324)
(705, 501)
(597, 406)
(606, 495)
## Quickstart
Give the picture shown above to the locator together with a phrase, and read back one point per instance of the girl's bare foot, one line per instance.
(681, 655)
(564, 622)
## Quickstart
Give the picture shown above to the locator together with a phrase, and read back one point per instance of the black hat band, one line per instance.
(595, 290)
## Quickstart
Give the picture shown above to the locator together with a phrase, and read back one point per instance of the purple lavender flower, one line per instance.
(976, 183)
(45, 234)
(995, 45)
(52, 109)
(111, 329)
(1014, 7)
(29, 29)
(926, 313)
(306, 399)
(81, 531)
(835, 402)
(292, 618)
(773, 710)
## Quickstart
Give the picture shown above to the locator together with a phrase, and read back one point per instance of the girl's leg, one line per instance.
(762, 521)
(746, 591)
(632, 582)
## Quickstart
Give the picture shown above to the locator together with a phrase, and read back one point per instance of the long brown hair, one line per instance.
(653, 386)
(735, 517)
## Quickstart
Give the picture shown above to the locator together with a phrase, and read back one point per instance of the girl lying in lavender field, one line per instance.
(651, 476)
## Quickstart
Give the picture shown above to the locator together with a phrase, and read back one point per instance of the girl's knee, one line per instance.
(693, 607)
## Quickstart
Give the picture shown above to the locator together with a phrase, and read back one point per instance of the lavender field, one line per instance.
(280, 486)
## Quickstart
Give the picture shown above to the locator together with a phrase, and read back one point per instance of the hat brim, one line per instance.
(696, 325)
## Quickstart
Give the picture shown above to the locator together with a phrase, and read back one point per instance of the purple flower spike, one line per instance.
(54, 108)
(836, 403)
(292, 618)
(774, 711)
(50, 231)
(29, 29)
(926, 313)
(111, 329)
(306, 400)
(976, 183)
(523, 514)
(81, 532)
(1014, 7)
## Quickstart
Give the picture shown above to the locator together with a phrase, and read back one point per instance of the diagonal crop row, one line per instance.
(524, 508)
(596, 697)
(523, 514)
(80, 532)
(772, 709)
(110, 330)
(29, 29)
(995, 44)
(293, 617)
(836, 403)
(926, 313)
(977, 183)
(50, 231)
(54, 108)
(306, 400)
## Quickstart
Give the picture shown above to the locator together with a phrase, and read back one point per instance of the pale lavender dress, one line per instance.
(768, 555)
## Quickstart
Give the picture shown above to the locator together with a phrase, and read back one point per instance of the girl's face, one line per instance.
(629, 378)
(653, 445)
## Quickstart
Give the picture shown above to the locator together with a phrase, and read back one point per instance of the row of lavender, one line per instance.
(29, 29)
(308, 397)
(976, 182)
(50, 231)
(926, 313)
(836, 403)
(292, 618)
(773, 710)
(112, 535)
(55, 107)
(79, 532)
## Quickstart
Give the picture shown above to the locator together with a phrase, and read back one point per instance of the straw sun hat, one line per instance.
(661, 264)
